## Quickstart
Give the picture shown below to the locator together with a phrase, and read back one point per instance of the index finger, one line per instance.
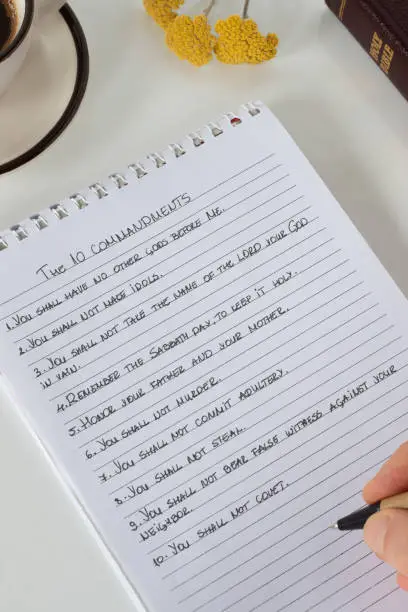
(391, 479)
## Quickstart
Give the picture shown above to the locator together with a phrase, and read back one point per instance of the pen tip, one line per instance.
(334, 526)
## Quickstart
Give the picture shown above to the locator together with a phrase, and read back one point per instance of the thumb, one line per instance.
(386, 533)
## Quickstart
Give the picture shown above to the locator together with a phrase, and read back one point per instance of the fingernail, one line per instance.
(376, 531)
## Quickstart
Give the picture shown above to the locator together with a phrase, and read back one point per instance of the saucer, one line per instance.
(47, 92)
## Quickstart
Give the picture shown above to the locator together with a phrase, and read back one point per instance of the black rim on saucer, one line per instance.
(74, 103)
(22, 33)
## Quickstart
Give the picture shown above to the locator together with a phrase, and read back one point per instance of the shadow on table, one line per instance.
(358, 193)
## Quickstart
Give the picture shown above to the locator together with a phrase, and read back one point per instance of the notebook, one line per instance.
(215, 362)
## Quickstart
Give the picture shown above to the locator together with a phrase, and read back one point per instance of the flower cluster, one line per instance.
(241, 42)
(163, 11)
(237, 39)
(191, 39)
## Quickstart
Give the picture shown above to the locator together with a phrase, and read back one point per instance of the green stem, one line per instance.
(209, 8)
(245, 11)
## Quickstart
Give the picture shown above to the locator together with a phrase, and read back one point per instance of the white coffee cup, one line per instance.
(29, 15)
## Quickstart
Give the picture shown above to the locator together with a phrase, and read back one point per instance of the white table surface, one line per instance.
(347, 118)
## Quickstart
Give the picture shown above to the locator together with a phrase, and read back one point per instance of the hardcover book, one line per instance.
(381, 28)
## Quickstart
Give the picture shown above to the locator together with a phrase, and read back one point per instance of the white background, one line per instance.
(344, 114)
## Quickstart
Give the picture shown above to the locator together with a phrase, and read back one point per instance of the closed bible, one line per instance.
(381, 28)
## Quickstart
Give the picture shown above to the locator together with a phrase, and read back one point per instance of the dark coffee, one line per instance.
(8, 22)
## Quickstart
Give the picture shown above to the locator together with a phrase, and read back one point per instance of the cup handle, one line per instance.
(44, 7)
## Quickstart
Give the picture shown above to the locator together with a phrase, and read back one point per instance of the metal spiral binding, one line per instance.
(98, 191)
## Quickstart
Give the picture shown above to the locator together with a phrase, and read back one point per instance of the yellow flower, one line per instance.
(162, 11)
(241, 42)
(191, 39)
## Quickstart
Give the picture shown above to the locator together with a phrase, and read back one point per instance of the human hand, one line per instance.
(386, 533)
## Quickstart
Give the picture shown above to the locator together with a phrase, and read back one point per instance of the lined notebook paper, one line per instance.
(217, 363)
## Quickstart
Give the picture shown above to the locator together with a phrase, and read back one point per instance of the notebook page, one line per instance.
(217, 363)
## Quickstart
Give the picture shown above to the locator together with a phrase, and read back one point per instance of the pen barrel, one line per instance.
(357, 519)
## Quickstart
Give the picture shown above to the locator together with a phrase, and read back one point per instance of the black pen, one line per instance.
(358, 519)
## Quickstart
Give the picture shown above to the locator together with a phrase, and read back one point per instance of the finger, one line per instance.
(402, 582)
(386, 533)
(391, 479)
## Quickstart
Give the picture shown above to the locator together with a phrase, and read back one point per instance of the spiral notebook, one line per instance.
(215, 362)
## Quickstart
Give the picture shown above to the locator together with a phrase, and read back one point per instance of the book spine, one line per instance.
(376, 37)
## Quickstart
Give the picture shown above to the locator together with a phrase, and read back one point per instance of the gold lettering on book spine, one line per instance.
(386, 59)
(376, 46)
(342, 8)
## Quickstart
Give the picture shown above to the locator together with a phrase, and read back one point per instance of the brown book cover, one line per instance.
(381, 28)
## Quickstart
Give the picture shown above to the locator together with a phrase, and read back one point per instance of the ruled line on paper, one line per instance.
(257, 314)
(394, 590)
(318, 484)
(327, 511)
(345, 551)
(210, 371)
(132, 448)
(335, 344)
(276, 428)
(176, 423)
(155, 235)
(365, 556)
(334, 393)
(281, 474)
(252, 316)
(318, 585)
(320, 338)
(319, 354)
(207, 602)
(262, 280)
(321, 515)
(302, 527)
(207, 265)
(259, 553)
(371, 569)
(232, 282)
(144, 302)
(307, 346)
(222, 303)
(191, 321)
(317, 552)
(271, 546)
(387, 577)
(193, 244)
(274, 397)
(168, 492)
